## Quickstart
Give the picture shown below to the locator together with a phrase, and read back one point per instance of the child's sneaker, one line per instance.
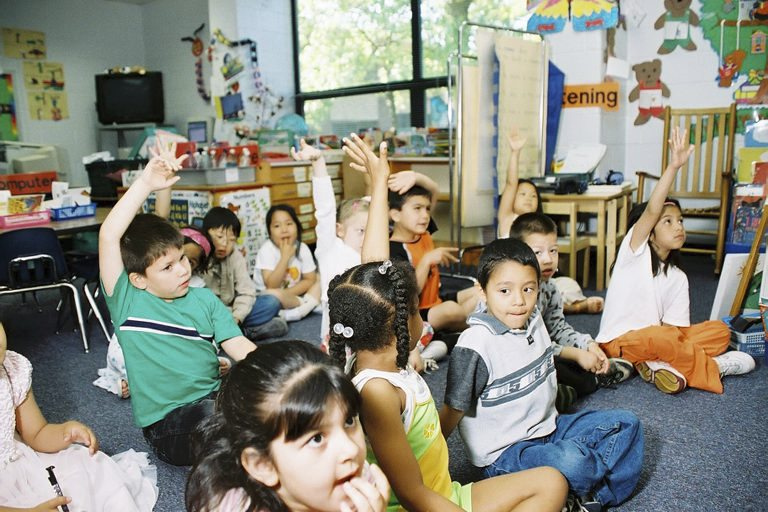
(618, 371)
(275, 328)
(576, 504)
(666, 379)
(566, 395)
(436, 350)
(735, 363)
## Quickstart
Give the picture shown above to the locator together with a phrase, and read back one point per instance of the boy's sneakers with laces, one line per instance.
(618, 371)
(566, 395)
(735, 363)
(272, 329)
(576, 504)
(666, 379)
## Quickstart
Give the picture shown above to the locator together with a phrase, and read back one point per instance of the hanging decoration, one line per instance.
(197, 51)
(550, 16)
(649, 92)
(676, 22)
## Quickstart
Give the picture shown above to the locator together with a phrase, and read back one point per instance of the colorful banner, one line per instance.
(604, 95)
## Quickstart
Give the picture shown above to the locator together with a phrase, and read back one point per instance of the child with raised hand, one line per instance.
(647, 312)
(285, 267)
(168, 331)
(228, 278)
(339, 232)
(580, 363)
(89, 479)
(501, 391)
(374, 312)
(280, 413)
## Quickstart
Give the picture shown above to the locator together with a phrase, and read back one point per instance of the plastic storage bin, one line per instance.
(74, 212)
(752, 342)
(219, 176)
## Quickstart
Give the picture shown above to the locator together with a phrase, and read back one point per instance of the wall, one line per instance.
(86, 36)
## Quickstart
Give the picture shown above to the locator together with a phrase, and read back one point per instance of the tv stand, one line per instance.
(114, 137)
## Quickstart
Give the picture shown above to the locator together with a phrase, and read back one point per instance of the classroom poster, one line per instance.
(43, 75)
(188, 207)
(24, 44)
(8, 128)
(251, 207)
(47, 105)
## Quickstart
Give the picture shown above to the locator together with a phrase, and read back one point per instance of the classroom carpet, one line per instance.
(702, 451)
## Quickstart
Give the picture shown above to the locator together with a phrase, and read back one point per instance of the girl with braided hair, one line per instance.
(373, 310)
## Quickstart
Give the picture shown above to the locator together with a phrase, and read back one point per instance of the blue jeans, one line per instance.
(598, 452)
(264, 309)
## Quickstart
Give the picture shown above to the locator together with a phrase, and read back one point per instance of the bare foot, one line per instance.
(124, 391)
(588, 305)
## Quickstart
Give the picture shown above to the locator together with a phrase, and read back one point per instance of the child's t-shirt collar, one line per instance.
(498, 327)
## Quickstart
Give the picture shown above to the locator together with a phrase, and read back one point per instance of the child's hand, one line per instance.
(287, 250)
(51, 505)
(680, 149)
(76, 432)
(441, 256)
(365, 495)
(415, 360)
(306, 152)
(516, 141)
(365, 160)
(224, 366)
(588, 360)
(594, 348)
(401, 182)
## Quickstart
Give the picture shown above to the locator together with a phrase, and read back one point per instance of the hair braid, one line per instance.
(336, 343)
(403, 306)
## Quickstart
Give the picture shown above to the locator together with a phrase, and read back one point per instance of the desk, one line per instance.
(611, 207)
(72, 226)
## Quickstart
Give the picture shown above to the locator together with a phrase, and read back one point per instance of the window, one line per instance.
(355, 61)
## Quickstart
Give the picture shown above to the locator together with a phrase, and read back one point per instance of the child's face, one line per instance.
(223, 239)
(669, 233)
(414, 215)
(526, 200)
(194, 254)
(167, 277)
(282, 228)
(334, 453)
(511, 293)
(352, 230)
(545, 249)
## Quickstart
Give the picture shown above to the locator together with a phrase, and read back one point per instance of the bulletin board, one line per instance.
(502, 83)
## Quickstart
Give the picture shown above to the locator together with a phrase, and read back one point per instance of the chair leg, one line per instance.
(585, 276)
(79, 310)
(95, 309)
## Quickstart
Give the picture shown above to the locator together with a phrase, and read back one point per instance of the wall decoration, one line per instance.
(197, 52)
(676, 23)
(550, 16)
(47, 105)
(251, 207)
(8, 128)
(731, 67)
(649, 92)
(604, 95)
(43, 75)
(23, 44)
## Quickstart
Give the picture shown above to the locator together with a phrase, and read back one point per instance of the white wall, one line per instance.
(86, 36)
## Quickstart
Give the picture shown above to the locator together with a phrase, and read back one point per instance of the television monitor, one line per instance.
(123, 98)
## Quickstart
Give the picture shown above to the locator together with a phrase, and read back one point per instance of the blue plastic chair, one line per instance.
(32, 259)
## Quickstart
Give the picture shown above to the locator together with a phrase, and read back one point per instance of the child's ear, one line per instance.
(340, 230)
(394, 214)
(259, 467)
(138, 280)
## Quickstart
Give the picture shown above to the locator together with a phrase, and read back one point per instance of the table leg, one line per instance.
(600, 246)
(610, 239)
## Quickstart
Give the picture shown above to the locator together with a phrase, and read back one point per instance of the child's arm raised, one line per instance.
(680, 151)
(401, 182)
(159, 173)
(381, 410)
(376, 241)
(506, 213)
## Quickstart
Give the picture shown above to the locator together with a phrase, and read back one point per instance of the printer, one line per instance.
(563, 183)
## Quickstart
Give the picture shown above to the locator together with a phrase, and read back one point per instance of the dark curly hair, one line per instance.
(376, 306)
(281, 389)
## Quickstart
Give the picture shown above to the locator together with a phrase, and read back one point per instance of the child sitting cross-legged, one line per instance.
(501, 391)
(168, 331)
(580, 363)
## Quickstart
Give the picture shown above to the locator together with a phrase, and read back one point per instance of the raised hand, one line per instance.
(365, 160)
(516, 141)
(680, 148)
(401, 182)
(306, 152)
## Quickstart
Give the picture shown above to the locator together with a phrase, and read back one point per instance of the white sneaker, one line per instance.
(435, 350)
(735, 363)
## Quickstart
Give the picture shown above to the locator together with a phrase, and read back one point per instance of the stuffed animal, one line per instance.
(676, 22)
(650, 91)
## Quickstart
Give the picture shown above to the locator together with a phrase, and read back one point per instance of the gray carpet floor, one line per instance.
(703, 451)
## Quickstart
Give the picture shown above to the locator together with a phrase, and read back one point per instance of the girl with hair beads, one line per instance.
(284, 265)
(280, 413)
(374, 312)
(86, 478)
(647, 315)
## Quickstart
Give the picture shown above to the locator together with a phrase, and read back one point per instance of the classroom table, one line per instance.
(611, 204)
(72, 226)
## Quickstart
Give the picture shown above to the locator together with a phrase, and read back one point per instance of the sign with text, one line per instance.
(604, 95)
(28, 183)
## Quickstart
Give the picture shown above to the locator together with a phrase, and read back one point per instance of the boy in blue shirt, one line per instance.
(501, 392)
(169, 332)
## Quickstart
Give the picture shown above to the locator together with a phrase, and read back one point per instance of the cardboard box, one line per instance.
(268, 173)
(290, 191)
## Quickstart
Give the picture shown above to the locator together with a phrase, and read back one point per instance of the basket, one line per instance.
(752, 342)
(73, 212)
(25, 220)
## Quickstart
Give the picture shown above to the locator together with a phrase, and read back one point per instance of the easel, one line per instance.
(749, 266)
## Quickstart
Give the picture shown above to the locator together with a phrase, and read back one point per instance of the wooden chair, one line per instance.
(708, 174)
(570, 243)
